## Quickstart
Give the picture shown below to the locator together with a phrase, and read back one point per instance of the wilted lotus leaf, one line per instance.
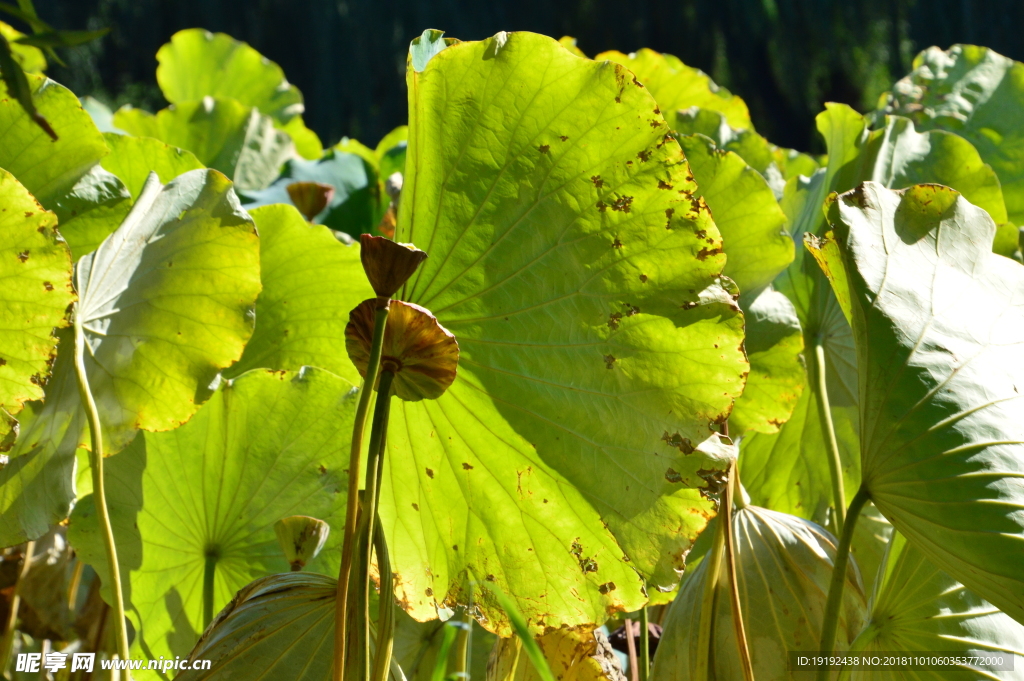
(388, 264)
(783, 567)
(301, 538)
(310, 197)
(423, 355)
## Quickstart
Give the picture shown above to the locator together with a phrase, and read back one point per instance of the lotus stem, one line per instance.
(75, 584)
(386, 608)
(352, 507)
(99, 491)
(707, 606)
(828, 430)
(830, 622)
(209, 573)
(645, 646)
(462, 642)
(7, 644)
(634, 665)
(734, 586)
(368, 519)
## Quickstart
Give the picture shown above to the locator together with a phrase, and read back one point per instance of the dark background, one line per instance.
(784, 57)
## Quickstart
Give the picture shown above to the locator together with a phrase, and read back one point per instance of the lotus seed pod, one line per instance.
(388, 264)
(423, 355)
(310, 197)
(301, 538)
(783, 568)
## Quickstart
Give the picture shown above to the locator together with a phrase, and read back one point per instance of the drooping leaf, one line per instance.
(165, 303)
(774, 342)
(783, 568)
(978, 94)
(132, 159)
(265, 447)
(677, 86)
(918, 607)
(31, 59)
(355, 206)
(35, 277)
(936, 319)
(310, 282)
(222, 133)
(746, 213)
(198, 64)
(597, 346)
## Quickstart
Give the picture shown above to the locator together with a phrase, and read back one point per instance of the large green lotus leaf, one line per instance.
(268, 445)
(29, 57)
(774, 343)
(132, 159)
(789, 471)
(678, 86)
(783, 568)
(310, 282)
(937, 320)
(918, 607)
(355, 206)
(222, 133)
(746, 213)
(598, 347)
(35, 276)
(978, 94)
(92, 210)
(197, 64)
(48, 168)
(165, 303)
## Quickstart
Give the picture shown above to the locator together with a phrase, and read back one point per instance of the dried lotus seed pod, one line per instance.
(301, 538)
(388, 264)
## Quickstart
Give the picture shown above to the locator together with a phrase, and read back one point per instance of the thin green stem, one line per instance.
(734, 586)
(830, 623)
(209, 573)
(348, 550)
(645, 646)
(367, 520)
(462, 642)
(634, 664)
(707, 606)
(7, 643)
(828, 431)
(99, 491)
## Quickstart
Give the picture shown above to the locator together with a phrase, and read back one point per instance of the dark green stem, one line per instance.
(830, 622)
(99, 490)
(386, 608)
(645, 646)
(368, 518)
(209, 573)
(828, 431)
(349, 543)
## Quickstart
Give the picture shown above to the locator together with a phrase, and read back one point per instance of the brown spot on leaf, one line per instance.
(429, 591)
(322, 469)
(616, 243)
(601, 206)
(23, 256)
(662, 184)
(564, 138)
(644, 156)
(613, 320)
(609, 360)
(430, 473)
(715, 480)
(2, 361)
(48, 286)
(598, 182)
(416, 507)
(673, 475)
(544, 148)
(705, 253)
(679, 442)
(657, 111)
(29, 213)
(622, 204)
(466, 466)
(490, 578)
(607, 587)
(643, 278)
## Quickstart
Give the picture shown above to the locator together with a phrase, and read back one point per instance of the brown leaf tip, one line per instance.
(423, 355)
(388, 264)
